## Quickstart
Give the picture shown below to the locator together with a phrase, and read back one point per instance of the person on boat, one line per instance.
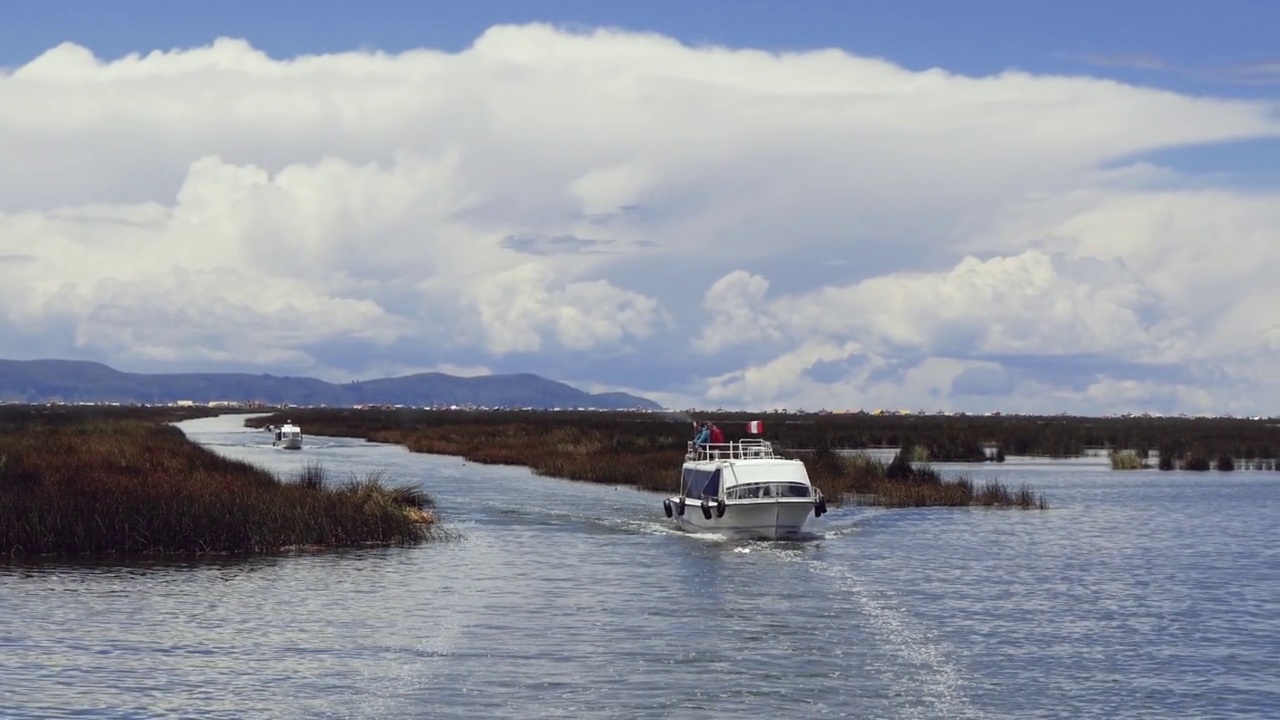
(703, 436)
(717, 435)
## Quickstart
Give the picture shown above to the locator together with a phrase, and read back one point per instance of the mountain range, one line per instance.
(38, 381)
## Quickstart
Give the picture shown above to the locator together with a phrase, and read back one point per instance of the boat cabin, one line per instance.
(288, 432)
(288, 436)
(746, 469)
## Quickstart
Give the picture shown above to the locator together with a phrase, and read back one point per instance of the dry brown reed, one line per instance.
(132, 487)
(564, 452)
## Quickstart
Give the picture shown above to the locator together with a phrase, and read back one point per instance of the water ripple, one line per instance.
(1138, 595)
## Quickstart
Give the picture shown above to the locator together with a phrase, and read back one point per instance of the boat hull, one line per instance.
(289, 444)
(776, 519)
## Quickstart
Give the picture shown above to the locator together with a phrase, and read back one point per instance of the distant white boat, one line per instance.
(741, 489)
(287, 436)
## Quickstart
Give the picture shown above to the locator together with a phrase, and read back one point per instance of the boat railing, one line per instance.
(749, 449)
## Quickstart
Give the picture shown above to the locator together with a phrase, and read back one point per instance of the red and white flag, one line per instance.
(755, 427)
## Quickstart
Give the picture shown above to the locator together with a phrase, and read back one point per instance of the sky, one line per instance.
(980, 206)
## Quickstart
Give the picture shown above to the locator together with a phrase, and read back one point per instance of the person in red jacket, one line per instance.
(717, 435)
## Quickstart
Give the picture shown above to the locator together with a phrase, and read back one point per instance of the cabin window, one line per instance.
(699, 483)
(686, 480)
(712, 488)
(769, 490)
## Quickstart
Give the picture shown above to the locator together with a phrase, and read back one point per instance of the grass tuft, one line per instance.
(1127, 460)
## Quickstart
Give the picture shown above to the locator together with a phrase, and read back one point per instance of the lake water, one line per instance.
(1139, 594)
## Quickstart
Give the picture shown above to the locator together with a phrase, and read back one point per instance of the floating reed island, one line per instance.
(642, 450)
(93, 481)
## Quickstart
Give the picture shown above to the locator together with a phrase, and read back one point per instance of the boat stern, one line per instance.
(768, 519)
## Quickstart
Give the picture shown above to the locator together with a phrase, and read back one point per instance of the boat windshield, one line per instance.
(769, 490)
(700, 483)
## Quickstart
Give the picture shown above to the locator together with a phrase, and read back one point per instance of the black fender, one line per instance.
(706, 509)
(680, 507)
(720, 508)
(666, 508)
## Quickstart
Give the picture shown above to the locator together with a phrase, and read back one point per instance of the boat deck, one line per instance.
(749, 449)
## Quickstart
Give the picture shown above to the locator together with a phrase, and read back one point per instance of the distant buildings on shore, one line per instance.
(256, 405)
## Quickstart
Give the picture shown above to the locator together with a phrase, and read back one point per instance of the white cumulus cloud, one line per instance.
(711, 225)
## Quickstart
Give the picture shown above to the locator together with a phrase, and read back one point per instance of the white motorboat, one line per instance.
(742, 489)
(287, 436)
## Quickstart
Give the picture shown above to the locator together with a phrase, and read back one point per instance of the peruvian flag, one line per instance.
(755, 427)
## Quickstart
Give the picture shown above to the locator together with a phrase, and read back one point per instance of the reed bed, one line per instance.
(641, 451)
(562, 452)
(132, 487)
(1199, 461)
(864, 480)
(1196, 462)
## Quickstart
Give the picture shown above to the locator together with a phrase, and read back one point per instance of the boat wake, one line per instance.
(653, 526)
(589, 522)
(925, 669)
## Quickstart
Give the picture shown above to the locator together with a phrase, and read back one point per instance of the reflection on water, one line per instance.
(1138, 595)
